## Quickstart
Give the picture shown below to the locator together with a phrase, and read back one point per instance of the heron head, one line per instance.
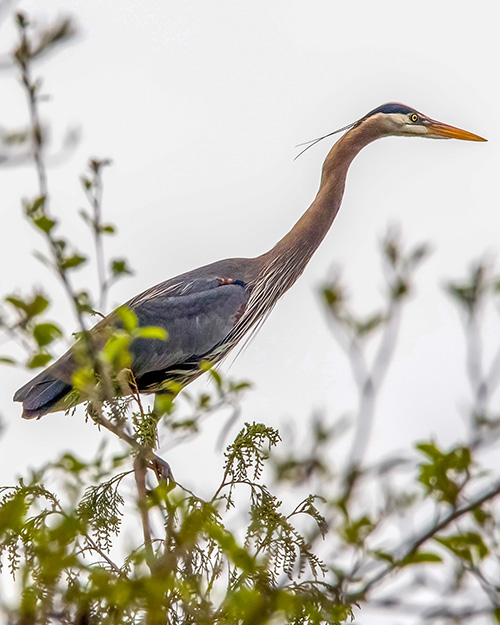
(396, 119)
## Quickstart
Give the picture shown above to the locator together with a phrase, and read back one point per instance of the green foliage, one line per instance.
(183, 577)
(444, 474)
(120, 267)
(45, 333)
(39, 360)
(146, 429)
(470, 293)
(419, 558)
(44, 223)
(31, 307)
(19, 319)
(247, 451)
(100, 508)
(468, 546)
(70, 262)
(355, 532)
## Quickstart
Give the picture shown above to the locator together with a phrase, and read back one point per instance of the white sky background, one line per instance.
(200, 104)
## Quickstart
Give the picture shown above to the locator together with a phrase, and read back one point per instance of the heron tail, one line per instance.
(41, 394)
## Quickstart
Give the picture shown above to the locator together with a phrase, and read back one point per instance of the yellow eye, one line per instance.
(414, 117)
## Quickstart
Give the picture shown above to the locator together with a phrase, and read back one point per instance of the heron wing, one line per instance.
(196, 321)
(197, 314)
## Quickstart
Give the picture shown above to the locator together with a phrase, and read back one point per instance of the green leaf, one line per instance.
(383, 555)
(466, 546)
(371, 324)
(204, 401)
(481, 516)
(21, 19)
(60, 245)
(241, 558)
(117, 351)
(429, 449)
(84, 379)
(164, 403)
(442, 474)
(44, 223)
(71, 463)
(419, 253)
(236, 387)
(37, 305)
(31, 307)
(86, 217)
(119, 267)
(39, 360)
(17, 302)
(151, 332)
(86, 183)
(96, 164)
(419, 558)
(6, 360)
(128, 318)
(399, 289)
(84, 303)
(333, 296)
(38, 203)
(16, 137)
(355, 532)
(45, 333)
(72, 261)
(214, 374)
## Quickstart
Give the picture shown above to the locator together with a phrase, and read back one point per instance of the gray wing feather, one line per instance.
(173, 287)
(199, 309)
(196, 322)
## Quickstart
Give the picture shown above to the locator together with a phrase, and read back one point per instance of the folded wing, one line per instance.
(198, 316)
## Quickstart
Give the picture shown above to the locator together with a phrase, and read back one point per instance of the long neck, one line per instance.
(295, 249)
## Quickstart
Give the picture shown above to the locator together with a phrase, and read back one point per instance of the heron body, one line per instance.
(208, 310)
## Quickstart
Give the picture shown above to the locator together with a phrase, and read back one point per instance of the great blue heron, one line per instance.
(207, 311)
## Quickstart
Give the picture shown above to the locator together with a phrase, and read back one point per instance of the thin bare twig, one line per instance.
(430, 533)
(94, 191)
(369, 381)
(140, 480)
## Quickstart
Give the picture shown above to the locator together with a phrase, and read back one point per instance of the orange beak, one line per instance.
(438, 129)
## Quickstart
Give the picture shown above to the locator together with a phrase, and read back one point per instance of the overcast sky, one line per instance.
(199, 105)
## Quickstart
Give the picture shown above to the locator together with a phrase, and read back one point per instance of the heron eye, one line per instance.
(414, 117)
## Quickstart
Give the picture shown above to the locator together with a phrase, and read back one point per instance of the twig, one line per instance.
(429, 534)
(140, 480)
(94, 190)
(23, 57)
(57, 505)
(371, 385)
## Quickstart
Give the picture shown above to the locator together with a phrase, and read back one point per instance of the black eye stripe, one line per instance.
(390, 107)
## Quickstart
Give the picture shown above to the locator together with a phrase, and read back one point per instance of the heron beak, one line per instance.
(438, 129)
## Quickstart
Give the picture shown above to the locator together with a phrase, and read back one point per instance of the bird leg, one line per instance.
(161, 468)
